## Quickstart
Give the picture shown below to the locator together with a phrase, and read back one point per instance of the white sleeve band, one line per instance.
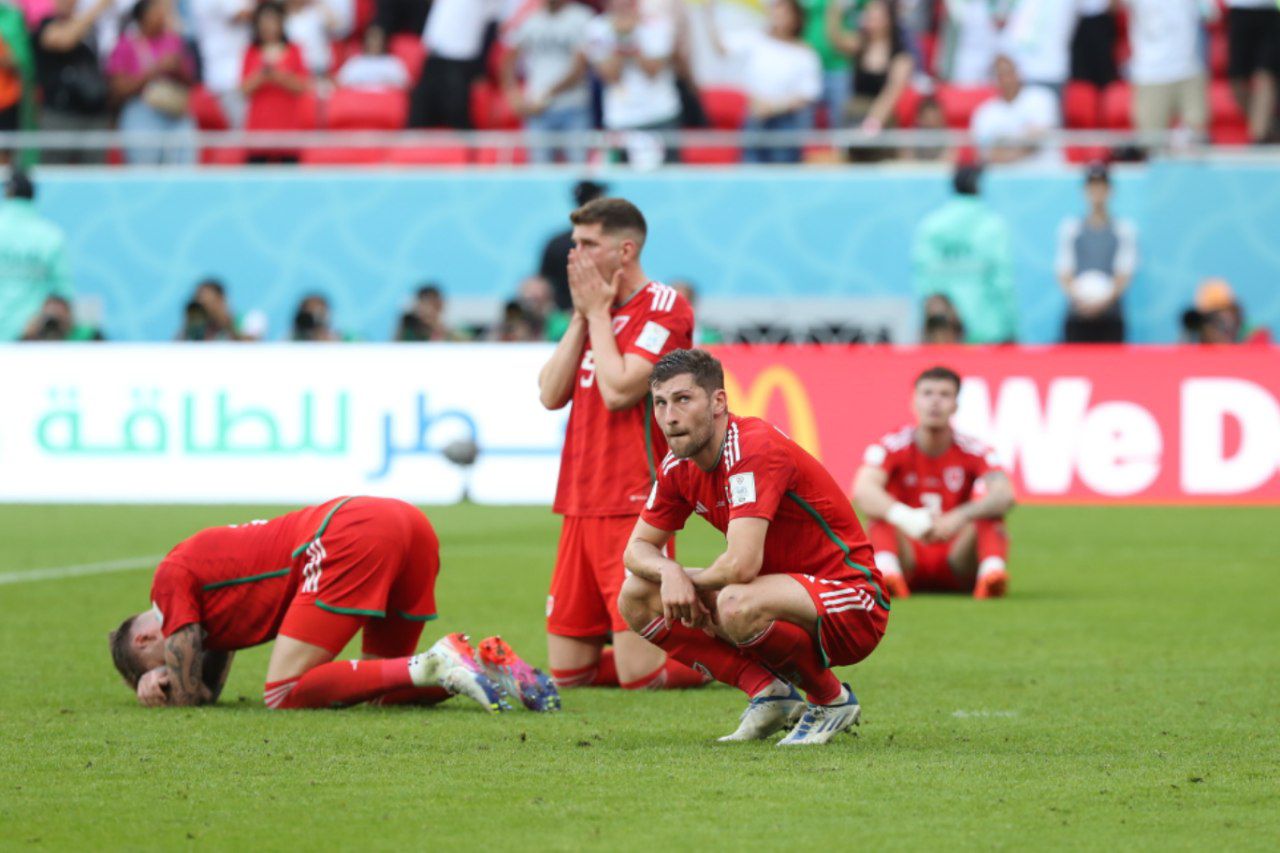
(913, 522)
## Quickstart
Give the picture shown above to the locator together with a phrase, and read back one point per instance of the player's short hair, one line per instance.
(705, 369)
(612, 215)
(123, 655)
(945, 374)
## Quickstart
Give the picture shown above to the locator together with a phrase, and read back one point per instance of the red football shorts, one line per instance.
(588, 576)
(850, 621)
(932, 570)
(372, 564)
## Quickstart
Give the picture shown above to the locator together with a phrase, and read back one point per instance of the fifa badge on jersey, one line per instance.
(742, 489)
(652, 337)
(953, 476)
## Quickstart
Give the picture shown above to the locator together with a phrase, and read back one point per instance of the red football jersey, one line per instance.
(764, 474)
(236, 581)
(940, 483)
(608, 461)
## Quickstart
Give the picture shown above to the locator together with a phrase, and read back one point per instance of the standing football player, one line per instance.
(622, 323)
(938, 500)
(795, 591)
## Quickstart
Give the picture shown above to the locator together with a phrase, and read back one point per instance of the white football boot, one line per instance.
(766, 715)
(820, 723)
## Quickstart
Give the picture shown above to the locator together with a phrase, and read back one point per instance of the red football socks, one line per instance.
(339, 683)
(789, 650)
(993, 539)
(699, 651)
(672, 675)
(602, 673)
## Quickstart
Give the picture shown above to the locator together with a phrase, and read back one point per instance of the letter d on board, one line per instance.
(1206, 405)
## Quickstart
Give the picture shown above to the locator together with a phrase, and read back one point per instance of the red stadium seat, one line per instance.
(412, 52)
(366, 11)
(1086, 154)
(1081, 106)
(501, 156)
(1117, 107)
(1219, 54)
(959, 103)
(908, 103)
(355, 109)
(1228, 124)
(726, 109)
(343, 156)
(710, 155)
(490, 109)
(429, 156)
(206, 110)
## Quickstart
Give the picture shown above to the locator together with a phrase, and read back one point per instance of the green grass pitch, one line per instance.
(1127, 694)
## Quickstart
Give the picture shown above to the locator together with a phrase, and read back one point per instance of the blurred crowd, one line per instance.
(962, 260)
(1008, 70)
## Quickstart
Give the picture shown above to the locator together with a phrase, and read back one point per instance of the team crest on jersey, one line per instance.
(742, 489)
(620, 322)
(953, 476)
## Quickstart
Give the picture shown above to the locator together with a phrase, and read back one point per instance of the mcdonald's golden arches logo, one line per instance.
(801, 424)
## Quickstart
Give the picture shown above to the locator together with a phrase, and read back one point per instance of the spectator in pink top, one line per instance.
(151, 75)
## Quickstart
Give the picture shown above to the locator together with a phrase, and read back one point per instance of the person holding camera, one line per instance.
(312, 322)
(33, 258)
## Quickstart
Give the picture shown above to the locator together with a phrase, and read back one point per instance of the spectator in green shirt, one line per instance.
(836, 79)
(962, 251)
(33, 261)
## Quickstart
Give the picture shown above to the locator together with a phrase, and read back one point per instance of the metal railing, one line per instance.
(1175, 143)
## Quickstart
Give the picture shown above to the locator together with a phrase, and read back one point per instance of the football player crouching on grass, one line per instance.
(795, 591)
(937, 500)
(310, 580)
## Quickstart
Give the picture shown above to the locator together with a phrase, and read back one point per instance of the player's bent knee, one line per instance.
(741, 616)
(637, 600)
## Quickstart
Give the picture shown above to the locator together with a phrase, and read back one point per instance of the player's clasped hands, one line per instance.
(589, 289)
(153, 687)
(681, 602)
(945, 527)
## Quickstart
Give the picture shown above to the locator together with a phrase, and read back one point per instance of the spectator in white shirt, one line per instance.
(970, 42)
(634, 58)
(781, 75)
(1037, 36)
(222, 34)
(1010, 127)
(313, 24)
(374, 67)
(1166, 70)
(1253, 63)
(547, 47)
(454, 38)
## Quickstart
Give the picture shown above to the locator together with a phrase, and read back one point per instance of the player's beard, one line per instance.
(694, 440)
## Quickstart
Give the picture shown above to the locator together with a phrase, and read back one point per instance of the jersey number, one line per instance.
(589, 368)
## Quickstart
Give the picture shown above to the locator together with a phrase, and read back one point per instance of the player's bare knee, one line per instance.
(638, 602)
(741, 616)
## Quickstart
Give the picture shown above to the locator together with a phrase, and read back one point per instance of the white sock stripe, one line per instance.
(653, 628)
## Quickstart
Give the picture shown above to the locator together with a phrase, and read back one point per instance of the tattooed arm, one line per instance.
(217, 666)
(184, 657)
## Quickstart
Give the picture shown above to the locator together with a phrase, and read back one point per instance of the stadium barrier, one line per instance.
(768, 240)
(293, 424)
